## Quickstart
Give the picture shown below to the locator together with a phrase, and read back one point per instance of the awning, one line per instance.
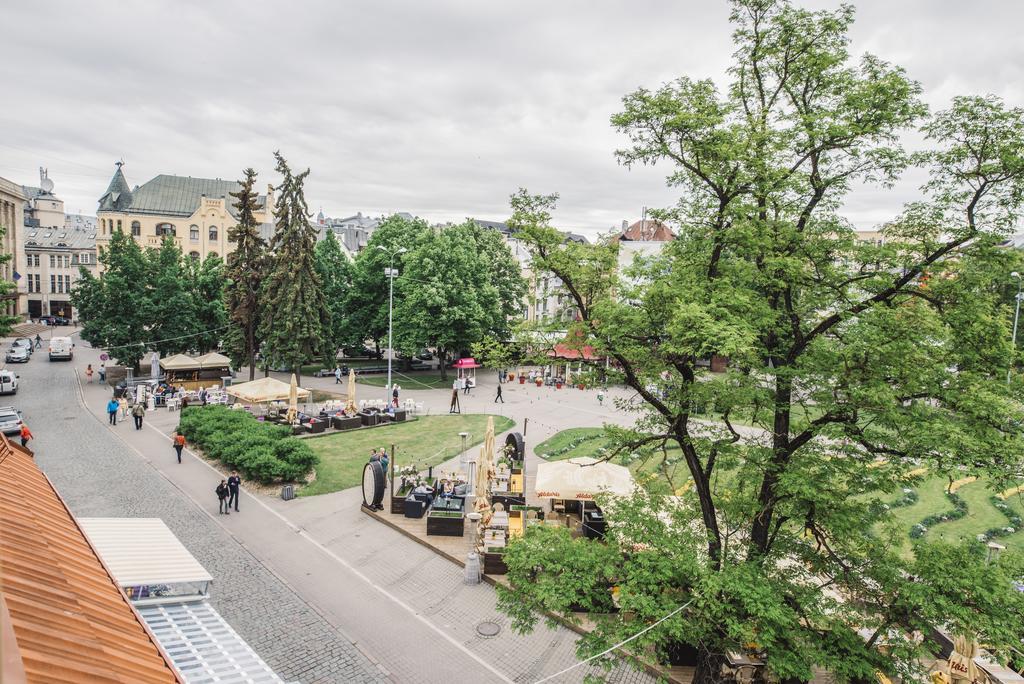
(468, 362)
(264, 390)
(213, 360)
(582, 479)
(179, 362)
(564, 351)
(142, 551)
(203, 646)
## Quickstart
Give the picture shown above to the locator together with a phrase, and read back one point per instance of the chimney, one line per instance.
(625, 224)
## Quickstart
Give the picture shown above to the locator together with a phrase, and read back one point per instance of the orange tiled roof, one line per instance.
(648, 230)
(70, 621)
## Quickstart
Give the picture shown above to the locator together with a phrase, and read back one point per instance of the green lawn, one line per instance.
(982, 516)
(424, 442)
(414, 380)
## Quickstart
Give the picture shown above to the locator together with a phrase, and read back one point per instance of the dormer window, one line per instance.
(213, 233)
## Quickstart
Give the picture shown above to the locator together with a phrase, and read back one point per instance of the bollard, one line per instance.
(472, 569)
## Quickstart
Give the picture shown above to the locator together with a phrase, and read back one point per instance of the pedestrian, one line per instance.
(88, 373)
(222, 497)
(123, 405)
(337, 375)
(600, 397)
(384, 460)
(499, 397)
(202, 396)
(112, 407)
(178, 440)
(26, 435)
(234, 482)
(39, 341)
(103, 373)
(455, 399)
(464, 384)
(138, 411)
(394, 395)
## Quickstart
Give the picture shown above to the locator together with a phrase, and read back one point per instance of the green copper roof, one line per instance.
(175, 195)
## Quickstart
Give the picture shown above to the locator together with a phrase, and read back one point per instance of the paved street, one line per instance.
(319, 589)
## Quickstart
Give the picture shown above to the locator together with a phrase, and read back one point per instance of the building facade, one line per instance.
(196, 212)
(12, 220)
(53, 259)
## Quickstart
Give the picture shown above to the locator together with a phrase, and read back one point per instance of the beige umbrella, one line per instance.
(483, 468)
(293, 399)
(265, 390)
(351, 406)
(962, 667)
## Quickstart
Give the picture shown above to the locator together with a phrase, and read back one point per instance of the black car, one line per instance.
(54, 320)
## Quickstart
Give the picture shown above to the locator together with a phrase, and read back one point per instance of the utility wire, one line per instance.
(618, 645)
(168, 339)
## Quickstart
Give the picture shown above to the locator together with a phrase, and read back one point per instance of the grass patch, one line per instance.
(412, 381)
(424, 442)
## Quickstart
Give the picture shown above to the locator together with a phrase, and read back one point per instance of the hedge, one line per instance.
(258, 450)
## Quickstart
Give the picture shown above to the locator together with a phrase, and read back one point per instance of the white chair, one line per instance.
(419, 408)
(173, 404)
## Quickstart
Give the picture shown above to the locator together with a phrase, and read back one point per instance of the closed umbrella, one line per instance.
(351, 389)
(483, 473)
(962, 667)
(293, 399)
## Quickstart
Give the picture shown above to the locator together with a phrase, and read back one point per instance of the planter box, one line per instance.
(522, 379)
(446, 526)
(369, 418)
(494, 563)
(346, 423)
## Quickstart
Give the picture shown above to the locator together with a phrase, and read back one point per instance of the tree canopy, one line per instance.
(335, 271)
(857, 365)
(245, 271)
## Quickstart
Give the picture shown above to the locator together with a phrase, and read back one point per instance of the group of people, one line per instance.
(228, 493)
(89, 372)
(382, 456)
(121, 405)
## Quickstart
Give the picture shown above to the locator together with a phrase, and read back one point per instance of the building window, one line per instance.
(53, 261)
(165, 230)
(193, 233)
(119, 225)
(213, 233)
(136, 228)
(194, 255)
(53, 283)
(67, 261)
(103, 226)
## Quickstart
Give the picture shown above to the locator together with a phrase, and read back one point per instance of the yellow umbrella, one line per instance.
(351, 406)
(483, 473)
(293, 399)
(962, 667)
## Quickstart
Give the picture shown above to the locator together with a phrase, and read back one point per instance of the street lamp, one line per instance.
(1016, 318)
(390, 273)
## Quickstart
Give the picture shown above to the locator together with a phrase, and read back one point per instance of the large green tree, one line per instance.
(115, 309)
(335, 272)
(172, 322)
(294, 315)
(8, 289)
(857, 364)
(206, 283)
(366, 304)
(246, 268)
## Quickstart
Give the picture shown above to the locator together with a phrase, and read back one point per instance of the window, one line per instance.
(213, 233)
(194, 255)
(193, 233)
(119, 225)
(103, 226)
(67, 261)
(136, 228)
(53, 261)
(165, 230)
(53, 283)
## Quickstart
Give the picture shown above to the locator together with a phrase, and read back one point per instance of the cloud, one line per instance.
(442, 108)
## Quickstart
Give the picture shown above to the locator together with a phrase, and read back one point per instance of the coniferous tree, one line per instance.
(293, 308)
(336, 275)
(245, 270)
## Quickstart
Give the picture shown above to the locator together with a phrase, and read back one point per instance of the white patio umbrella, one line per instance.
(582, 479)
(154, 365)
(265, 390)
(293, 399)
(483, 468)
(351, 406)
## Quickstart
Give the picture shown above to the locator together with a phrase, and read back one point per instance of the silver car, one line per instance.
(17, 354)
(10, 420)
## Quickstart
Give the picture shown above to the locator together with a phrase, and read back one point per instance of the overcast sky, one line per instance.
(439, 108)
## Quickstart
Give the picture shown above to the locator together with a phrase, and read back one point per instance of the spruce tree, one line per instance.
(336, 275)
(246, 268)
(293, 308)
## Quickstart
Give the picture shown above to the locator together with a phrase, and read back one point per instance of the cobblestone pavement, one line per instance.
(98, 475)
(398, 602)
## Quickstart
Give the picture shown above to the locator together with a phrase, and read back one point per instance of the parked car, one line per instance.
(23, 342)
(10, 420)
(17, 354)
(54, 320)
(61, 348)
(8, 382)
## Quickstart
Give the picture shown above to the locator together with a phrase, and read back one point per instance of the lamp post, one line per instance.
(390, 274)
(1016, 318)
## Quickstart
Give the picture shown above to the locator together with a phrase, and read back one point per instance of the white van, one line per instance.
(8, 382)
(61, 348)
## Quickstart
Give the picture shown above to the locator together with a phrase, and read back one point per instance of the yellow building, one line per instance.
(196, 212)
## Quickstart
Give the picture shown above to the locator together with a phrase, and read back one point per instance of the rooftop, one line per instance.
(647, 230)
(64, 618)
(167, 195)
(77, 237)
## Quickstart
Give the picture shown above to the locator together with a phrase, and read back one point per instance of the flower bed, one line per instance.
(260, 451)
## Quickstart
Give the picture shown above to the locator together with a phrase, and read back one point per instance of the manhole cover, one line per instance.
(488, 629)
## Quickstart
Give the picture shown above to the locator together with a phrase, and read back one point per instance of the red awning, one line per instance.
(564, 351)
(468, 362)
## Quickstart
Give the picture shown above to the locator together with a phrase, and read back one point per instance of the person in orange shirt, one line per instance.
(26, 435)
(179, 444)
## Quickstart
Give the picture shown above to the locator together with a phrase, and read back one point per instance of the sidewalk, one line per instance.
(400, 603)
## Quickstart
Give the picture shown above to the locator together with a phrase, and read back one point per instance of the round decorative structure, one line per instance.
(373, 485)
(515, 440)
(488, 629)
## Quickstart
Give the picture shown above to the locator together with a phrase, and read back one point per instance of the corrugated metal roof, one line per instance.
(204, 647)
(71, 622)
(168, 195)
(142, 551)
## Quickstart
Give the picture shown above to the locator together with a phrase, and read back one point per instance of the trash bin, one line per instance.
(288, 492)
(472, 569)
(225, 380)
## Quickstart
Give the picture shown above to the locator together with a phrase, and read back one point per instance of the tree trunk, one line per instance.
(760, 533)
(442, 356)
(709, 667)
(250, 345)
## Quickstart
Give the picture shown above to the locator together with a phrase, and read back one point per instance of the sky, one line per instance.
(441, 108)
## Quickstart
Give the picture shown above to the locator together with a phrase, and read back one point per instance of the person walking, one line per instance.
(455, 398)
(103, 373)
(138, 411)
(337, 375)
(234, 483)
(26, 435)
(222, 496)
(88, 374)
(394, 395)
(202, 396)
(112, 407)
(600, 397)
(39, 341)
(384, 460)
(499, 397)
(123, 404)
(178, 440)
